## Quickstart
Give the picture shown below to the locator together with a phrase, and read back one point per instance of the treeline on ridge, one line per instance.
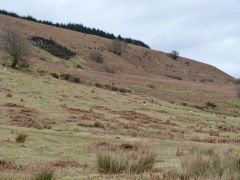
(78, 28)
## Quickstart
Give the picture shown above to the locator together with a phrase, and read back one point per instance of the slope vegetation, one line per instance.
(75, 113)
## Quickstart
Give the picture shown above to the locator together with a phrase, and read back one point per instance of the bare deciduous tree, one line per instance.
(116, 47)
(14, 44)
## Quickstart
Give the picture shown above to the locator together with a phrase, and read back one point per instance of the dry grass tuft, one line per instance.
(46, 172)
(207, 163)
(123, 158)
(121, 161)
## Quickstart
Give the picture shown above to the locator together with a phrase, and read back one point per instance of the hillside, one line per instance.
(114, 106)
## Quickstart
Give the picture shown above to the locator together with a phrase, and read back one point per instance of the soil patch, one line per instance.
(68, 163)
(6, 164)
(217, 140)
(26, 117)
(105, 146)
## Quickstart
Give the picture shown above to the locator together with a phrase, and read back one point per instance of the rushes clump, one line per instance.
(131, 162)
(207, 163)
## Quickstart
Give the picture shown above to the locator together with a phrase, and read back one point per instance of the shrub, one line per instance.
(69, 77)
(33, 124)
(209, 80)
(9, 95)
(98, 124)
(122, 161)
(199, 107)
(76, 80)
(228, 127)
(187, 63)
(174, 55)
(43, 59)
(21, 138)
(98, 85)
(152, 86)
(173, 76)
(91, 124)
(45, 173)
(207, 163)
(96, 57)
(116, 47)
(122, 90)
(55, 75)
(113, 88)
(79, 66)
(210, 104)
(65, 76)
(108, 69)
(13, 43)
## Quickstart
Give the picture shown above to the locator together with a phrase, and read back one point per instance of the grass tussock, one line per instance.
(125, 160)
(207, 163)
(45, 173)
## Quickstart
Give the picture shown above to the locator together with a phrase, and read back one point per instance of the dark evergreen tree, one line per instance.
(78, 28)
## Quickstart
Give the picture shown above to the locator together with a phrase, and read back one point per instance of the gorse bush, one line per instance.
(207, 163)
(133, 162)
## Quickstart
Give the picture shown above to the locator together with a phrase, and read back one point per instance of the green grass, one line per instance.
(67, 140)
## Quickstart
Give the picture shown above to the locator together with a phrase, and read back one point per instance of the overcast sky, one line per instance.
(204, 30)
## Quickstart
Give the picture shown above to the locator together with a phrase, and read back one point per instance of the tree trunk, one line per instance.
(15, 61)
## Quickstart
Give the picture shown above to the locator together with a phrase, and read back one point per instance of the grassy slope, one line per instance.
(66, 140)
(136, 67)
(160, 124)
